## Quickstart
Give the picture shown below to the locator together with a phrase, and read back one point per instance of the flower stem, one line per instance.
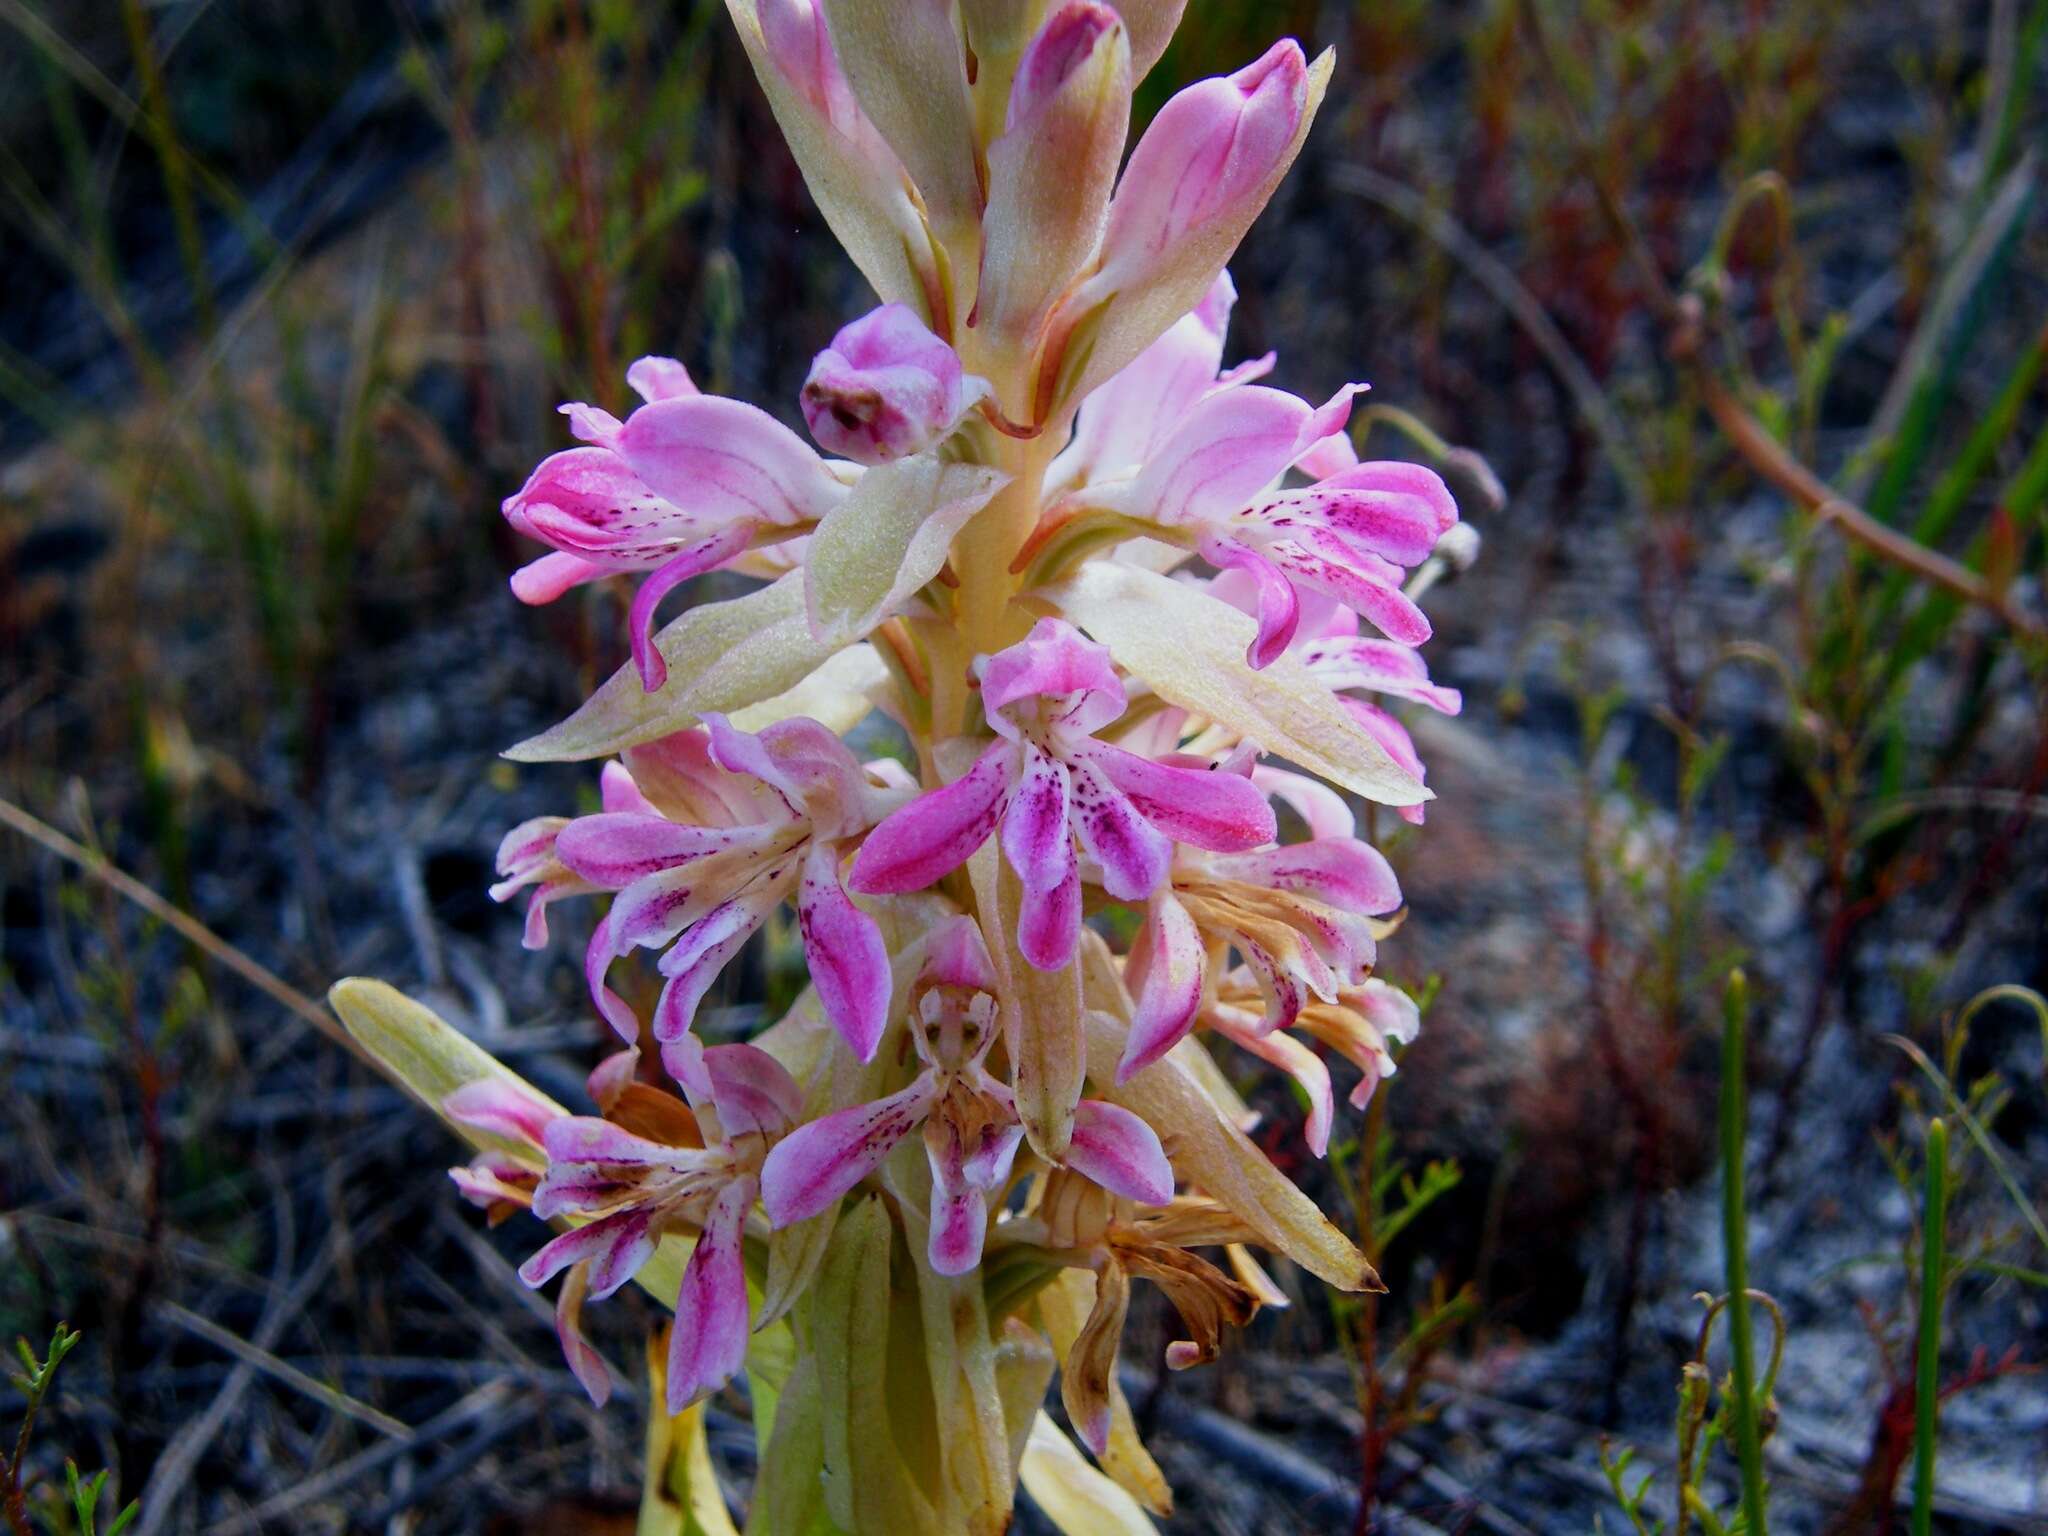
(1735, 1239)
(1933, 1262)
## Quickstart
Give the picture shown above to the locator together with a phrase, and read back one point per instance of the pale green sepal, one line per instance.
(1072, 1494)
(838, 695)
(721, 656)
(888, 538)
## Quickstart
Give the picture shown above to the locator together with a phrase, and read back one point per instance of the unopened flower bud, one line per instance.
(1051, 172)
(1209, 158)
(886, 388)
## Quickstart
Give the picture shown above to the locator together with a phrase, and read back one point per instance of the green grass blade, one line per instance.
(1735, 1239)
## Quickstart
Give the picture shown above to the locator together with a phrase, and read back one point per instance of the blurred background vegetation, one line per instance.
(1729, 319)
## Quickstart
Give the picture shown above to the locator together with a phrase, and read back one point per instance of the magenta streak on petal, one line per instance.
(1120, 1152)
(1034, 833)
(1208, 808)
(1279, 612)
(848, 960)
(752, 1090)
(694, 561)
(1166, 964)
(1049, 926)
(1133, 853)
(705, 949)
(709, 1340)
(597, 959)
(809, 1169)
(939, 831)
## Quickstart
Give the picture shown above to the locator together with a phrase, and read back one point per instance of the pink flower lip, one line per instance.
(886, 388)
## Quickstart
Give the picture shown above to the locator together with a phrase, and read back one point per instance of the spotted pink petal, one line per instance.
(817, 1163)
(1054, 661)
(1340, 871)
(1034, 832)
(587, 503)
(1049, 925)
(725, 461)
(961, 1182)
(1395, 524)
(704, 950)
(1277, 607)
(1165, 968)
(587, 1139)
(1325, 564)
(708, 1341)
(1349, 661)
(848, 960)
(707, 553)
(501, 1108)
(1207, 807)
(752, 1090)
(545, 579)
(612, 1248)
(615, 848)
(1134, 854)
(660, 378)
(1120, 1152)
(936, 833)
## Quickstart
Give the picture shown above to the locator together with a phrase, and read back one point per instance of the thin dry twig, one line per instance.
(187, 927)
(1772, 462)
(268, 1363)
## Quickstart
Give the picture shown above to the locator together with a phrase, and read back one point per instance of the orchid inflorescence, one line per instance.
(1104, 586)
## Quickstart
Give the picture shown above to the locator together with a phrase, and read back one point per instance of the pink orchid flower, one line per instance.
(1300, 916)
(636, 1188)
(887, 388)
(1049, 783)
(1174, 441)
(499, 1182)
(969, 1118)
(526, 857)
(728, 827)
(687, 483)
(1359, 1024)
(1330, 646)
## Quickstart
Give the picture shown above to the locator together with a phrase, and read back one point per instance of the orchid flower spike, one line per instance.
(1133, 632)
